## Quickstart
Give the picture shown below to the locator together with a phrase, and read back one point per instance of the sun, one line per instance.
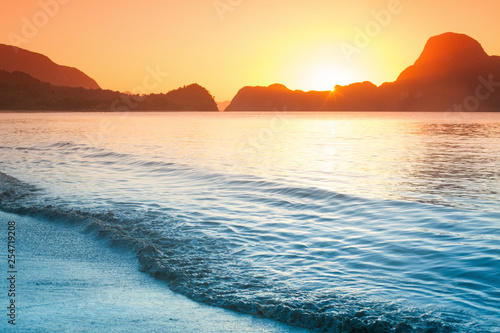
(325, 76)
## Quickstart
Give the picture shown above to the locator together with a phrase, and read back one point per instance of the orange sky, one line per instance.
(227, 44)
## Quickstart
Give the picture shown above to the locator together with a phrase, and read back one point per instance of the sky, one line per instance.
(225, 45)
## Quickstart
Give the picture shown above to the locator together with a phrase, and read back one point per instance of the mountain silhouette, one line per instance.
(453, 73)
(277, 97)
(446, 55)
(20, 91)
(42, 68)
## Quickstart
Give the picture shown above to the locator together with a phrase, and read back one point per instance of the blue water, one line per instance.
(383, 222)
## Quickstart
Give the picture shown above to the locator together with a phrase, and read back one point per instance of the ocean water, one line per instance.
(343, 222)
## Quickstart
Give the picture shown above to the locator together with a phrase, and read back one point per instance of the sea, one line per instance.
(337, 222)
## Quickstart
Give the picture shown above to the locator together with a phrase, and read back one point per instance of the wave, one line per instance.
(211, 270)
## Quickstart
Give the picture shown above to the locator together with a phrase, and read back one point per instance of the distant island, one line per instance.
(453, 73)
(20, 91)
(42, 68)
(32, 82)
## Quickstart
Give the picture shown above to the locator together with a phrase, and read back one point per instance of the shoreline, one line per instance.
(69, 281)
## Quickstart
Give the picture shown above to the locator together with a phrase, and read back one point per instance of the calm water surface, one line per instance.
(377, 221)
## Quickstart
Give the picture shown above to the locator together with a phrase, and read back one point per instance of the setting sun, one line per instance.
(325, 76)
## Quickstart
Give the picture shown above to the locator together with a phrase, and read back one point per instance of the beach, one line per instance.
(343, 222)
(68, 281)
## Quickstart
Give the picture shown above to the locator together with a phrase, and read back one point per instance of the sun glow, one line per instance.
(325, 76)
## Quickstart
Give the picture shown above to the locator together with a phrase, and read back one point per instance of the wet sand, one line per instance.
(67, 281)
